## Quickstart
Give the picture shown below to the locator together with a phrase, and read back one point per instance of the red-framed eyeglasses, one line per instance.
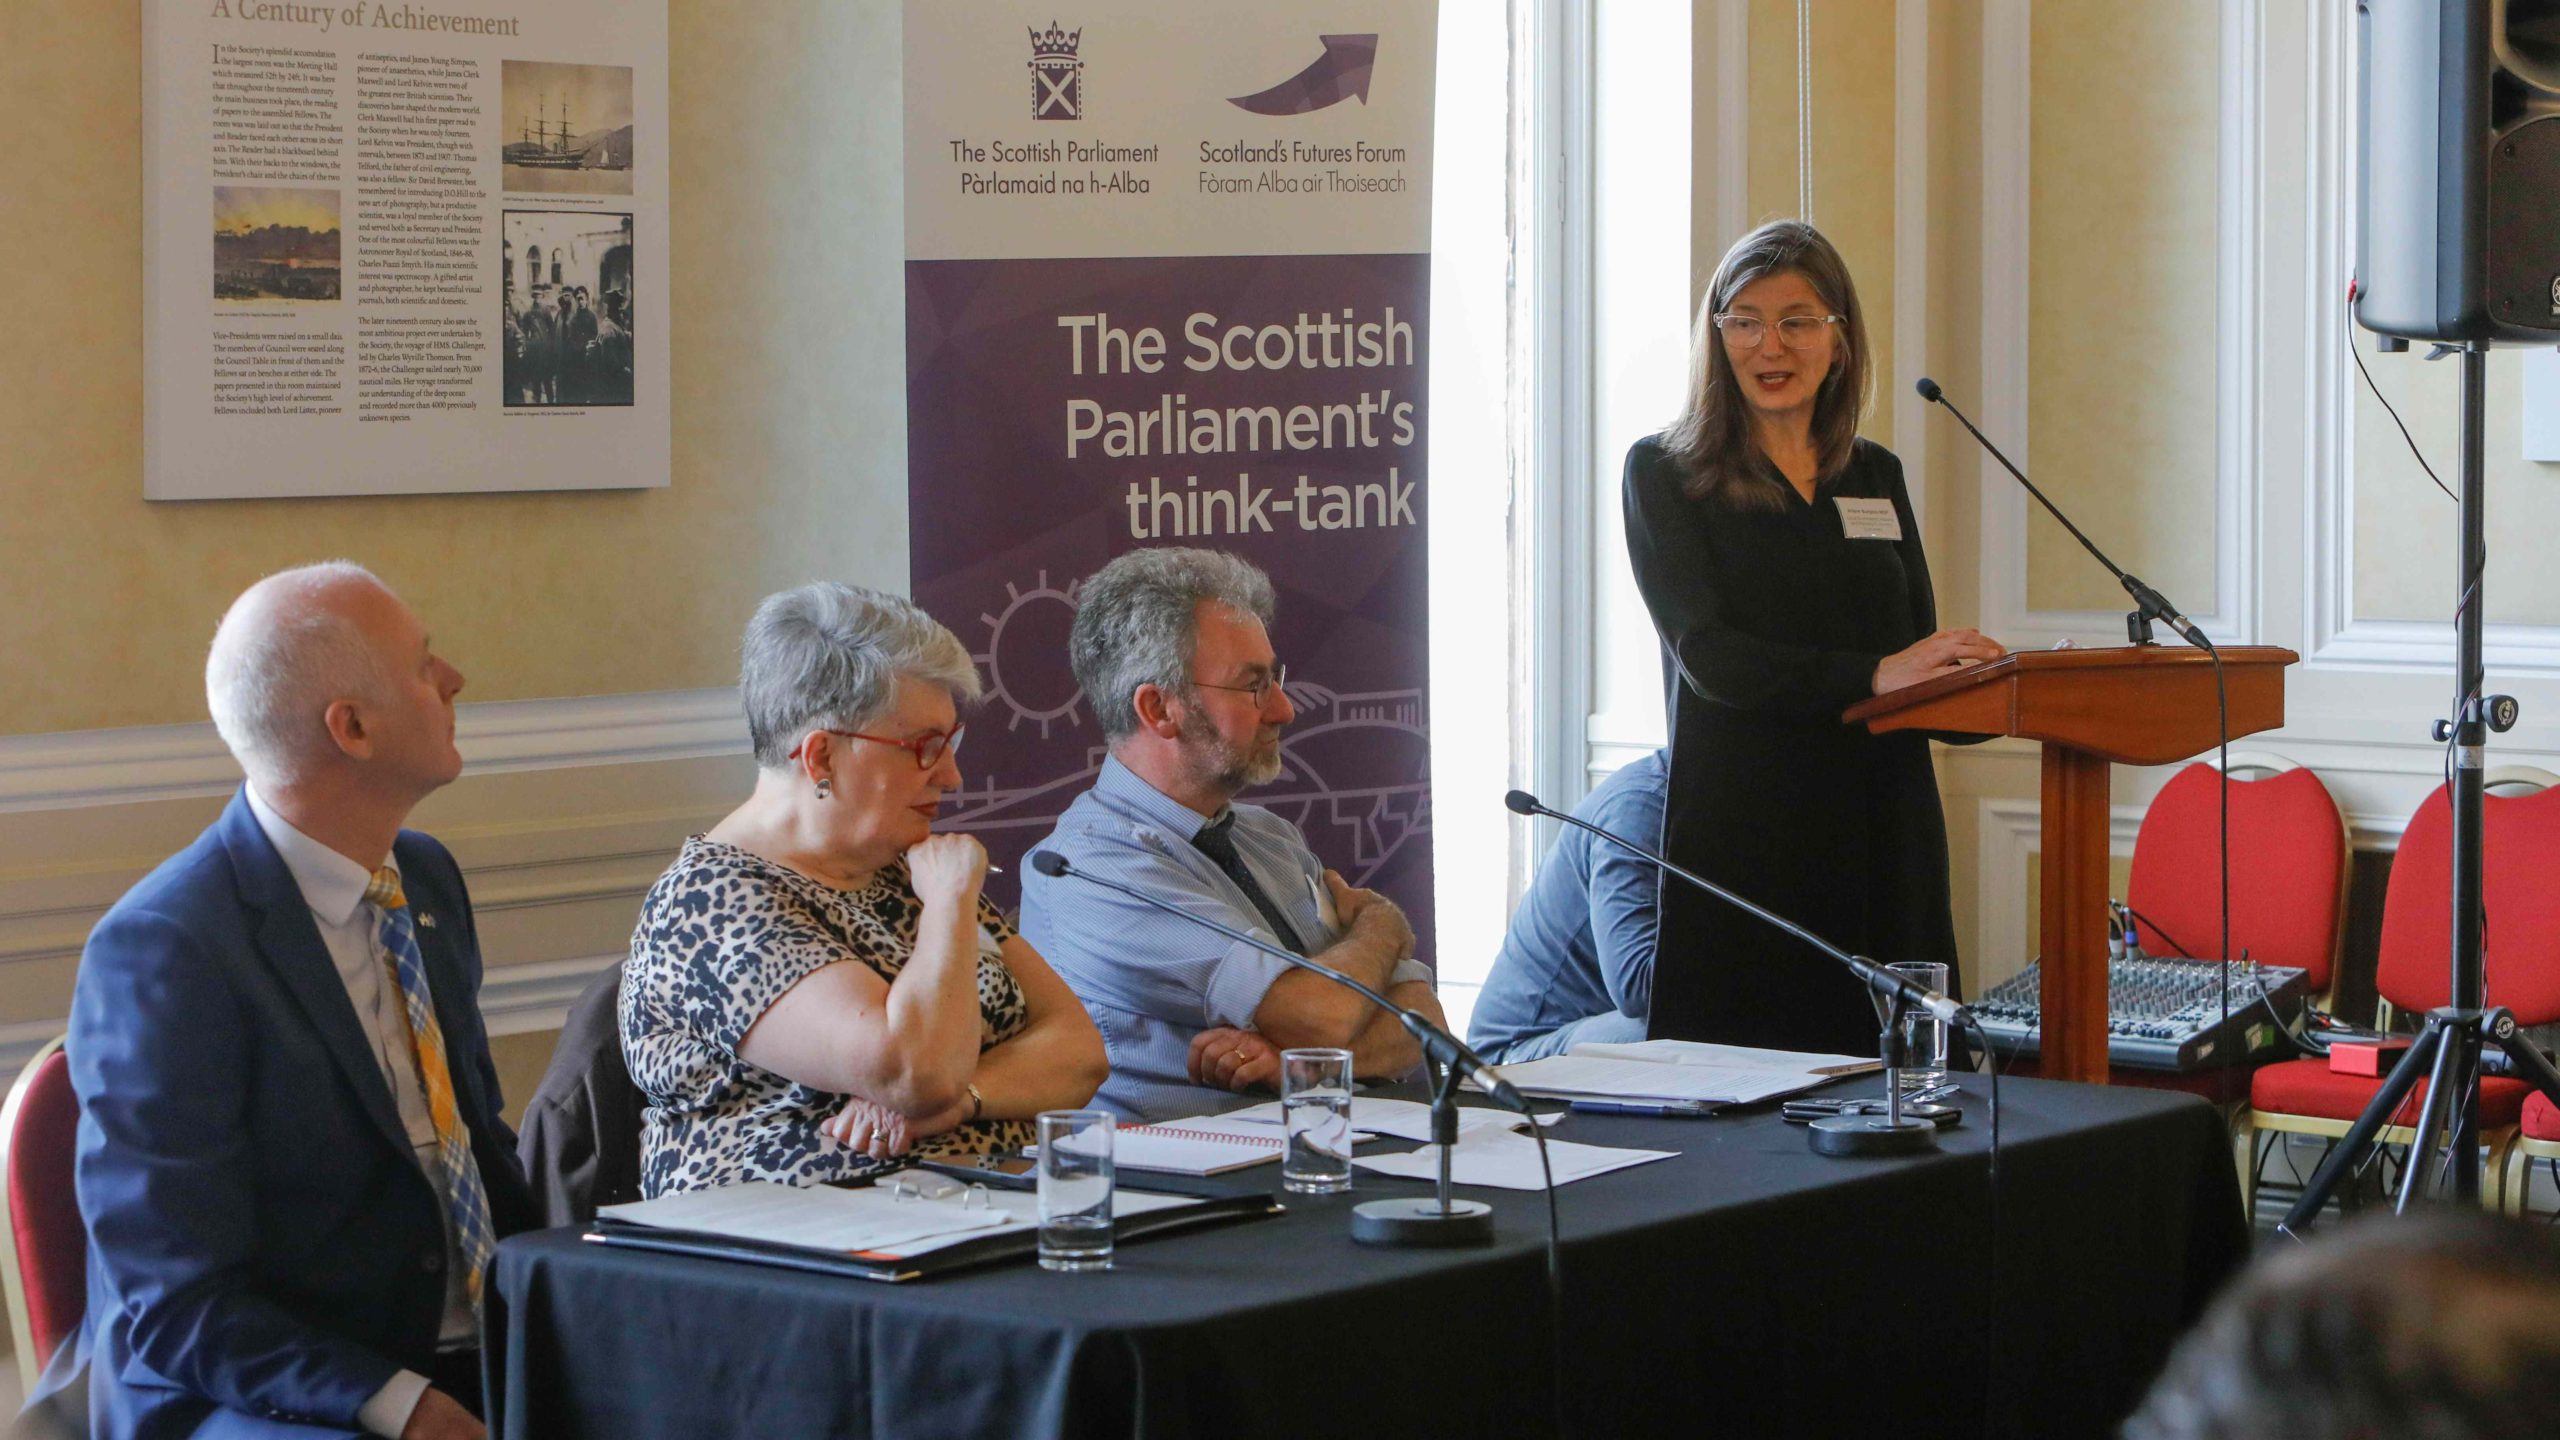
(928, 748)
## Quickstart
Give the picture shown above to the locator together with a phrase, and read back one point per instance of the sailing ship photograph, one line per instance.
(565, 129)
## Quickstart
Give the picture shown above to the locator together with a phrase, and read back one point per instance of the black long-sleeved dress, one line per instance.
(1772, 623)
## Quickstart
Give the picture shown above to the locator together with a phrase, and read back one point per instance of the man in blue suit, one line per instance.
(290, 1157)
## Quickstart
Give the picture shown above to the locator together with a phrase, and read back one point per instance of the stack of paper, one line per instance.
(1508, 1160)
(817, 1217)
(1371, 1116)
(1678, 1070)
(880, 1221)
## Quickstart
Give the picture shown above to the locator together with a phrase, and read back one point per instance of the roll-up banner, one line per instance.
(1167, 274)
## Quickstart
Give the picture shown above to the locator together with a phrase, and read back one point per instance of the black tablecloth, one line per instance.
(1746, 1285)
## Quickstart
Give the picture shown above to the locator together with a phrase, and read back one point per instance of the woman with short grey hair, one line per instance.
(817, 985)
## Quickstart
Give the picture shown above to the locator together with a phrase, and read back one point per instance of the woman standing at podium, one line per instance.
(1778, 555)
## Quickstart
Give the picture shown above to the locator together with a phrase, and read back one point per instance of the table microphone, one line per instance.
(1877, 978)
(2148, 603)
(1439, 1045)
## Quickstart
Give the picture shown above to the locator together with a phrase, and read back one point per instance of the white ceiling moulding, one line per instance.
(2007, 129)
(170, 762)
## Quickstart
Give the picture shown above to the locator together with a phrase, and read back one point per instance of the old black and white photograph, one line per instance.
(569, 306)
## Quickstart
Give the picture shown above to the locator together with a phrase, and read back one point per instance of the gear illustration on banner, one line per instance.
(1032, 629)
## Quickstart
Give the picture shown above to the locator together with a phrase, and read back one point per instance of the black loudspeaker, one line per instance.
(2458, 169)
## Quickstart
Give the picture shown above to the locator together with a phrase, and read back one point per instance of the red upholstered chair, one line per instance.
(2520, 855)
(44, 1257)
(2289, 864)
(2289, 868)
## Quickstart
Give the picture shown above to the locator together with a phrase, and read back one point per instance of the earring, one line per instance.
(826, 788)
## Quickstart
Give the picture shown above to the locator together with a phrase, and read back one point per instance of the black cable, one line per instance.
(1991, 1259)
(2358, 356)
(2266, 1000)
(2222, 758)
(1555, 1277)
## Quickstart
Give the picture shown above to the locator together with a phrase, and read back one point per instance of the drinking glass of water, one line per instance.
(1075, 1189)
(1924, 1036)
(1315, 1104)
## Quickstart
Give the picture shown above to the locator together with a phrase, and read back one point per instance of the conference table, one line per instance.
(1744, 1287)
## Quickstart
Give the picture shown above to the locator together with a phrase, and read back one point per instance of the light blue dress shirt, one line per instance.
(1577, 963)
(1151, 980)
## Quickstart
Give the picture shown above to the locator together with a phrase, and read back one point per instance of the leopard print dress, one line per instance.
(721, 936)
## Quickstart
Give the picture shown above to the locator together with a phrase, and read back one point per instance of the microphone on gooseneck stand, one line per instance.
(1442, 1047)
(2149, 604)
(1886, 1134)
(1376, 1222)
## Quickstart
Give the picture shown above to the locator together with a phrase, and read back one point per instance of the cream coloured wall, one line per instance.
(789, 464)
(789, 454)
(2406, 529)
(1853, 92)
(2122, 296)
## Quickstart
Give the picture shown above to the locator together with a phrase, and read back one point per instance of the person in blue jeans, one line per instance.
(1577, 965)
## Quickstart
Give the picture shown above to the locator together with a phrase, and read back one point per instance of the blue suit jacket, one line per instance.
(263, 1244)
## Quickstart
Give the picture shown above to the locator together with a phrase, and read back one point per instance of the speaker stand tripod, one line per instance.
(2448, 1048)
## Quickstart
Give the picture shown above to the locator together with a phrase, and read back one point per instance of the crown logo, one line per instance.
(1055, 43)
(1057, 73)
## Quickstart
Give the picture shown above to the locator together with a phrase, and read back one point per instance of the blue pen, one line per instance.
(1684, 1108)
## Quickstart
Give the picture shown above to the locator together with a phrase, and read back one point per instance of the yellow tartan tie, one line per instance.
(465, 1201)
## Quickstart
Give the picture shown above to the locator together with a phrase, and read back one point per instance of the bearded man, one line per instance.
(1172, 648)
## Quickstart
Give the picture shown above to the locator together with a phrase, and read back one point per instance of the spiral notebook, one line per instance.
(1203, 1147)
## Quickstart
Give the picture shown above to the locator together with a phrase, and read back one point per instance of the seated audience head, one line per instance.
(2439, 1327)
(1172, 648)
(853, 703)
(326, 686)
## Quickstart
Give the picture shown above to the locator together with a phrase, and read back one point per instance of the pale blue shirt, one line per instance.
(1577, 963)
(1151, 980)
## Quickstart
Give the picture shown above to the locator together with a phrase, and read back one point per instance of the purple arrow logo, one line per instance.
(1337, 75)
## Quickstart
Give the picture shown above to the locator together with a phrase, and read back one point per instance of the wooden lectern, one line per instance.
(2131, 705)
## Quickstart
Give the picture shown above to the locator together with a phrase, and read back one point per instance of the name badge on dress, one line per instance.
(1868, 519)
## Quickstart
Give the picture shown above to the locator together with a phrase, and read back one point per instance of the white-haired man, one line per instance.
(1171, 647)
(290, 1155)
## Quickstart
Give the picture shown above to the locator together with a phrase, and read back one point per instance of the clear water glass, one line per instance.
(1315, 1106)
(1076, 1178)
(1924, 1036)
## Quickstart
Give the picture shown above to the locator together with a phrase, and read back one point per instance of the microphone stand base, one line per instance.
(1866, 1135)
(1420, 1223)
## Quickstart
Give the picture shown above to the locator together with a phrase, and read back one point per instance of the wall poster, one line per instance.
(394, 248)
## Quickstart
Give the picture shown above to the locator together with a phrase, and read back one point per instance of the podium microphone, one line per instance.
(1890, 1133)
(2149, 604)
(1416, 1222)
(1442, 1047)
(1885, 983)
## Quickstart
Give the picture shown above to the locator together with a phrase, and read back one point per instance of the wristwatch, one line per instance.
(977, 1103)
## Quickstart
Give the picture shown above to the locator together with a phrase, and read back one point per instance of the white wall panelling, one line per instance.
(2359, 705)
(1552, 126)
(165, 762)
(568, 811)
(2007, 247)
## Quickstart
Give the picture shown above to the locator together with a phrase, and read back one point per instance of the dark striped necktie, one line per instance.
(1217, 840)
